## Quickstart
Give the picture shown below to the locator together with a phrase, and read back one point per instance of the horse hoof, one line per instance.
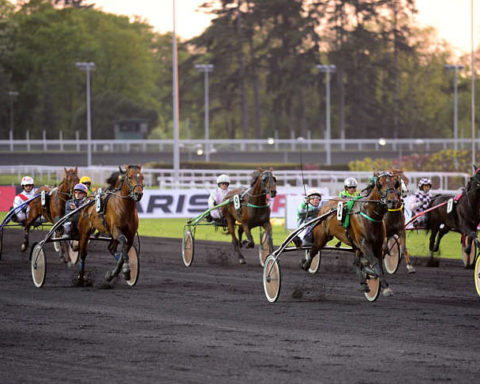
(241, 260)
(108, 276)
(387, 292)
(305, 264)
(365, 288)
(126, 271)
(410, 268)
(251, 245)
(432, 263)
(23, 247)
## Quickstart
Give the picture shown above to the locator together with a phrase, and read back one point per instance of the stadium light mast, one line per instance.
(455, 68)
(327, 69)
(87, 67)
(206, 68)
(176, 151)
(12, 95)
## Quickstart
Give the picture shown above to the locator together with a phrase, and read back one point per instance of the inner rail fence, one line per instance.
(227, 145)
(447, 182)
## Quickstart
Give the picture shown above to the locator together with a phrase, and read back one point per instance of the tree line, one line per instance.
(389, 78)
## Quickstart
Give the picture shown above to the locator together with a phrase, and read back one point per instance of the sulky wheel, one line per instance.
(316, 260)
(38, 264)
(469, 258)
(374, 285)
(263, 249)
(477, 275)
(391, 259)
(271, 279)
(72, 249)
(187, 248)
(134, 264)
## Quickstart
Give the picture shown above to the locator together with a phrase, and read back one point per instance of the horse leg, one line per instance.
(432, 262)
(376, 265)
(250, 243)
(361, 274)
(431, 245)
(82, 251)
(24, 245)
(404, 251)
(240, 234)
(267, 227)
(320, 238)
(235, 242)
(122, 261)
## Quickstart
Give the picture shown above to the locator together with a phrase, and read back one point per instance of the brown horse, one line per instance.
(253, 210)
(463, 218)
(365, 232)
(118, 219)
(55, 199)
(395, 218)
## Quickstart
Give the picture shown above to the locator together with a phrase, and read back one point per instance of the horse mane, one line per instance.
(112, 180)
(255, 175)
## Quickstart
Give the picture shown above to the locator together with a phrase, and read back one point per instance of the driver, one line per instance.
(80, 195)
(28, 191)
(217, 196)
(422, 200)
(306, 211)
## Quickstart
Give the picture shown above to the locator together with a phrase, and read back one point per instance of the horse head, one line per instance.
(133, 177)
(70, 180)
(268, 182)
(474, 181)
(385, 185)
(400, 182)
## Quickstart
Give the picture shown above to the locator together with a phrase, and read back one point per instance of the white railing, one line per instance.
(222, 145)
(205, 179)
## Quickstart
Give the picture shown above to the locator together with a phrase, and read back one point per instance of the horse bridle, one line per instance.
(266, 177)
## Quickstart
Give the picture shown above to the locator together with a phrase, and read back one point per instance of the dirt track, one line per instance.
(211, 323)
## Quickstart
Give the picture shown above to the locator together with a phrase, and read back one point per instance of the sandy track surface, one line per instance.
(211, 323)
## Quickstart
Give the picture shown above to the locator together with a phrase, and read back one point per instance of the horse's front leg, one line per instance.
(250, 243)
(404, 251)
(373, 255)
(82, 252)
(267, 227)
(122, 260)
(24, 245)
(235, 242)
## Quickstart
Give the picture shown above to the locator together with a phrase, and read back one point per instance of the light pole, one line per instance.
(12, 95)
(176, 113)
(328, 69)
(455, 102)
(206, 68)
(87, 67)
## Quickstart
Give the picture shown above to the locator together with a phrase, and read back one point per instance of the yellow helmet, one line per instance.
(86, 179)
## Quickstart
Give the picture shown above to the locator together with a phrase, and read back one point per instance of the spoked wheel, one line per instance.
(469, 258)
(72, 249)
(391, 259)
(477, 275)
(264, 249)
(374, 285)
(39, 265)
(187, 248)
(271, 279)
(315, 265)
(134, 264)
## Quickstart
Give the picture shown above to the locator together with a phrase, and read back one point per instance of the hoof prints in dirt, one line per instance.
(308, 293)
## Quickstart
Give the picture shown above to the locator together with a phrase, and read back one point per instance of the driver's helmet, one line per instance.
(424, 181)
(223, 179)
(350, 182)
(313, 192)
(85, 179)
(80, 187)
(27, 180)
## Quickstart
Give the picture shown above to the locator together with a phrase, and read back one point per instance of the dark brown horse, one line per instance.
(395, 218)
(117, 219)
(365, 232)
(463, 218)
(253, 210)
(55, 199)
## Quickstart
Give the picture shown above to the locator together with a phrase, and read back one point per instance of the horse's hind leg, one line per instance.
(122, 262)
(24, 245)
(404, 252)
(360, 272)
(267, 226)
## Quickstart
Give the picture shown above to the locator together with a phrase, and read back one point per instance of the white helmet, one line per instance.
(313, 192)
(223, 179)
(350, 182)
(424, 181)
(27, 180)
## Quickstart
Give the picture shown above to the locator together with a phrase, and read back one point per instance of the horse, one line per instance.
(394, 219)
(253, 210)
(365, 232)
(117, 219)
(54, 207)
(463, 218)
